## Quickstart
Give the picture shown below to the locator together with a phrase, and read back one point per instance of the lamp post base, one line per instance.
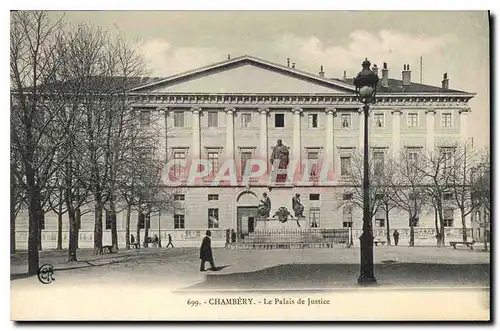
(367, 280)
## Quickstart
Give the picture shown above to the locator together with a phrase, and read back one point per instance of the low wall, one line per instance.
(193, 237)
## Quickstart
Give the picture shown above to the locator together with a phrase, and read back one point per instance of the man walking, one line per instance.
(206, 252)
(396, 237)
(170, 241)
(233, 237)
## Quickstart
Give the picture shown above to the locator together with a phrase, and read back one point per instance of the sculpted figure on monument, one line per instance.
(280, 153)
(297, 206)
(265, 206)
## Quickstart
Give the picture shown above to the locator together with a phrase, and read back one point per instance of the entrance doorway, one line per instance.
(246, 220)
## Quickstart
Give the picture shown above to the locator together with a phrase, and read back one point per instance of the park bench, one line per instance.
(381, 242)
(469, 244)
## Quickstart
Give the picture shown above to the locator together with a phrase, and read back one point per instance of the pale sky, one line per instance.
(456, 42)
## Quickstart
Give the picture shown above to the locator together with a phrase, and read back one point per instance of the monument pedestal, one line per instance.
(275, 224)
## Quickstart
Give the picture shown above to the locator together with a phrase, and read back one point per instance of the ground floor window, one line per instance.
(448, 217)
(314, 217)
(144, 220)
(110, 218)
(213, 218)
(347, 224)
(379, 222)
(178, 221)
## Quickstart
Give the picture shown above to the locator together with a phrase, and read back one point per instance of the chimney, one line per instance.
(345, 75)
(293, 65)
(385, 75)
(288, 62)
(375, 69)
(321, 72)
(446, 82)
(406, 75)
(229, 56)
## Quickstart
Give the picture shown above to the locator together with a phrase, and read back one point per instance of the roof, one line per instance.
(137, 84)
(396, 86)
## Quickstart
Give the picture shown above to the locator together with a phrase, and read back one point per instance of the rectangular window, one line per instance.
(347, 224)
(178, 221)
(347, 196)
(213, 161)
(179, 197)
(42, 222)
(448, 196)
(314, 196)
(345, 165)
(313, 164)
(379, 222)
(347, 215)
(446, 120)
(145, 118)
(345, 120)
(179, 119)
(110, 218)
(213, 218)
(415, 222)
(448, 217)
(413, 154)
(378, 120)
(179, 163)
(378, 162)
(213, 119)
(245, 156)
(246, 120)
(412, 119)
(314, 217)
(144, 220)
(279, 120)
(313, 120)
(213, 197)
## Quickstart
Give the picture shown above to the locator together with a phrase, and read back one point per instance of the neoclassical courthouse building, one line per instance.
(238, 109)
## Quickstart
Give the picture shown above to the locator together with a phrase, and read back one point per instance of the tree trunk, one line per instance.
(98, 226)
(12, 227)
(59, 229)
(41, 217)
(388, 226)
(138, 234)
(441, 222)
(78, 216)
(127, 228)
(73, 234)
(114, 232)
(438, 242)
(464, 227)
(412, 233)
(34, 224)
(147, 222)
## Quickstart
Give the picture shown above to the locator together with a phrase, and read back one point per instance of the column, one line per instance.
(230, 132)
(361, 129)
(463, 124)
(297, 153)
(329, 146)
(195, 153)
(263, 134)
(429, 130)
(396, 131)
(162, 119)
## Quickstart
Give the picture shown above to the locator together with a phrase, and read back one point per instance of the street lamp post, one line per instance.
(366, 89)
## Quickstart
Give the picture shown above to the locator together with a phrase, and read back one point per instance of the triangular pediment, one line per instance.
(245, 75)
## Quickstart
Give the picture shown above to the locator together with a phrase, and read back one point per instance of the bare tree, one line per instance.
(33, 66)
(385, 178)
(437, 170)
(352, 195)
(407, 189)
(461, 184)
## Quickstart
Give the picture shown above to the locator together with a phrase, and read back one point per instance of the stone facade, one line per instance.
(240, 108)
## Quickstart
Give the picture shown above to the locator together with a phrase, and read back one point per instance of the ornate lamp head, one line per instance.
(366, 84)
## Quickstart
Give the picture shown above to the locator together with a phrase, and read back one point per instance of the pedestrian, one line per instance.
(396, 237)
(206, 252)
(233, 237)
(227, 238)
(156, 241)
(132, 241)
(170, 241)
